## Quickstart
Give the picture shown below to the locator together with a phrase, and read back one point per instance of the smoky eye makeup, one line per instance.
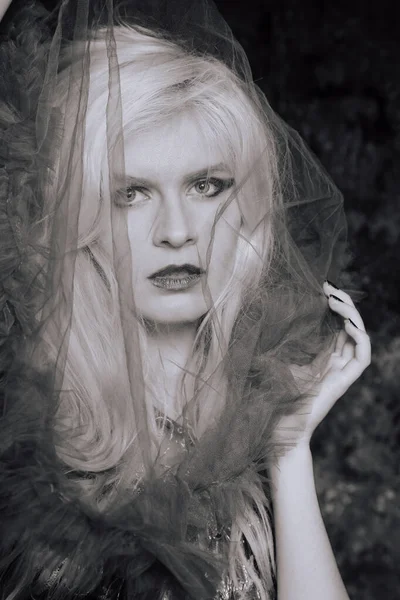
(130, 195)
(210, 187)
(204, 183)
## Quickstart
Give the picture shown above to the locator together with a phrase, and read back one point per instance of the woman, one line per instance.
(170, 346)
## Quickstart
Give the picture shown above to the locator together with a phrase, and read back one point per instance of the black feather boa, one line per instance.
(148, 543)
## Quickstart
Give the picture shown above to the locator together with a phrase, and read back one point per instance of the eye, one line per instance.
(213, 186)
(131, 195)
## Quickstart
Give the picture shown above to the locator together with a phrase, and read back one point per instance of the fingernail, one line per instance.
(352, 323)
(336, 298)
(331, 284)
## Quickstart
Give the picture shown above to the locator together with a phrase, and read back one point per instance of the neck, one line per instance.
(169, 347)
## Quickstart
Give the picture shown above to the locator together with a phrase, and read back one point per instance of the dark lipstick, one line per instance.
(178, 271)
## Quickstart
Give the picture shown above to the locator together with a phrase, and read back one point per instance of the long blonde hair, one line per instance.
(95, 419)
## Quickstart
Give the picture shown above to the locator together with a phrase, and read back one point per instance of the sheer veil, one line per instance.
(88, 506)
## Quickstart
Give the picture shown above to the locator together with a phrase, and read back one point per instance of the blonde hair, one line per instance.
(159, 79)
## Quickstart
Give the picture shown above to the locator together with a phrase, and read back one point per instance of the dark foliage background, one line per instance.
(332, 70)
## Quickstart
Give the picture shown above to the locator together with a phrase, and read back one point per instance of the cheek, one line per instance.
(139, 251)
(226, 235)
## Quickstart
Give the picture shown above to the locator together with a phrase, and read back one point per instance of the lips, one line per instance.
(177, 271)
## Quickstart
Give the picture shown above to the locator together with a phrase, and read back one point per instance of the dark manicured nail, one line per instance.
(336, 298)
(331, 284)
(353, 323)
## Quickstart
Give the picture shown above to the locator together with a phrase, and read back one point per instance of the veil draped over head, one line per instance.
(89, 506)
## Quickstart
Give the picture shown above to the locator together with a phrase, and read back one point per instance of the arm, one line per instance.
(306, 566)
(4, 4)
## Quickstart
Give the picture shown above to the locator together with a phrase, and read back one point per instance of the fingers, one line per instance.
(348, 352)
(362, 350)
(353, 343)
(342, 304)
(340, 341)
(329, 289)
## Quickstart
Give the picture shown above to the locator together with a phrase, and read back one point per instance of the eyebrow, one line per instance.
(188, 178)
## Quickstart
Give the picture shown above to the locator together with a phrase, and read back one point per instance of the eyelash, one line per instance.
(221, 184)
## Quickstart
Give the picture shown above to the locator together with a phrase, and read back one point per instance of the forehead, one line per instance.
(177, 147)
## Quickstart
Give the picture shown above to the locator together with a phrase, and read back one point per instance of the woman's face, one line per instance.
(176, 184)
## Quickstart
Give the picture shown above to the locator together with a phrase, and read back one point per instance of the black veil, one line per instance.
(88, 507)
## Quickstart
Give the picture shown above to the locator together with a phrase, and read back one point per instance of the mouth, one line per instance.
(177, 271)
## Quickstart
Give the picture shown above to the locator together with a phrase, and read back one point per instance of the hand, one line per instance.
(325, 381)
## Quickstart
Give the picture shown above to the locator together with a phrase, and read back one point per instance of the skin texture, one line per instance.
(171, 217)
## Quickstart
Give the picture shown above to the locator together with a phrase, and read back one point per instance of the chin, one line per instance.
(172, 318)
(174, 312)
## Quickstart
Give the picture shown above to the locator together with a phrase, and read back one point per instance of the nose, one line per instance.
(174, 225)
